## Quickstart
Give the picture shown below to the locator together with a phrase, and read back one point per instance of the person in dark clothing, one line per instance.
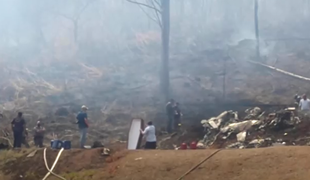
(170, 113)
(82, 122)
(297, 98)
(177, 115)
(38, 137)
(18, 127)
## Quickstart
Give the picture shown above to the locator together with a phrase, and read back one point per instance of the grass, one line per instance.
(7, 156)
(81, 175)
(11, 155)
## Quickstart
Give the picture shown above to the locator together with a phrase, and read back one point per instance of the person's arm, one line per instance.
(24, 125)
(34, 131)
(86, 120)
(77, 118)
(12, 124)
(145, 131)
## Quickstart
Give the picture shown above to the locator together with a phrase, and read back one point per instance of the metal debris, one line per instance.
(248, 130)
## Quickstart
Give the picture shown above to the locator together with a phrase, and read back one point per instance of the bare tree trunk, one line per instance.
(165, 37)
(256, 30)
(75, 30)
(182, 11)
(224, 80)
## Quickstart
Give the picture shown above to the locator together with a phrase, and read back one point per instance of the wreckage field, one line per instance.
(233, 66)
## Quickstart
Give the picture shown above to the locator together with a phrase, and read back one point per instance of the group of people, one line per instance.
(173, 121)
(20, 132)
(174, 114)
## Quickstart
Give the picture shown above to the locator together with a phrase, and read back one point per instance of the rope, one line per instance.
(50, 171)
(196, 166)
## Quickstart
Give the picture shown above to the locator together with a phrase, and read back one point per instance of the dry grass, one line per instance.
(11, 155)
(81, 175)
(7, 156)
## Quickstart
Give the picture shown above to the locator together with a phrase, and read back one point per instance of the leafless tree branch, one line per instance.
(158, 3)
(145, 5)
(67, 17)
(156, 13)
(84, 8)
(77, 16)
(157, 21)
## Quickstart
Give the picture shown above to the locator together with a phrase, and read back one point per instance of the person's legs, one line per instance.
(40, 142)
(35, 141)
(153, 145)
(150, 145)
(18, 139)
(177, 121)
(147, 145)
(15, 140)
(83, 132)
(170, 123)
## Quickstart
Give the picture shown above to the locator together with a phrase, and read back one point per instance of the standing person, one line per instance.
(18, 127)
(297, 100)
(177, 115)
(150, 137)
(38, 137)
(304, 103)
(170, 113)
(82, 122)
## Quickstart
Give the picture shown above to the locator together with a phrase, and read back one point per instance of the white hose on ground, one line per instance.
(50, 171)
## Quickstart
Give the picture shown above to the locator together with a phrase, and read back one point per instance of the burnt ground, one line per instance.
(274, 163)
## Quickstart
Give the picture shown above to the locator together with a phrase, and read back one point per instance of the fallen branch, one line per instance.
(280, 70)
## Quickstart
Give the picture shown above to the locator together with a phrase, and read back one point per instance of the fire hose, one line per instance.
(50, 171)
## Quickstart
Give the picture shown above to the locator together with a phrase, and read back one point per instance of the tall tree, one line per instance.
(76, 17)
(162, 18)
(256, 29)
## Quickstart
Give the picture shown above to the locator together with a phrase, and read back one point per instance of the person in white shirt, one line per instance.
(149, 135)
(304, 103)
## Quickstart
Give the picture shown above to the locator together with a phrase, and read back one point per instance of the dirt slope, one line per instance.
(281, 163)
(276, 163)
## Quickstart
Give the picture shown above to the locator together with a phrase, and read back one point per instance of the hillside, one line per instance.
(275, 163)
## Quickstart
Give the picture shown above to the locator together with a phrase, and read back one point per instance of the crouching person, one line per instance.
(150, 136)
(39, 131)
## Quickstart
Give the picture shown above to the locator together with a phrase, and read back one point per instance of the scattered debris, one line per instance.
(97, 144)
(105, 152)
(32, 153)
(241, 136)
(257, 129)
